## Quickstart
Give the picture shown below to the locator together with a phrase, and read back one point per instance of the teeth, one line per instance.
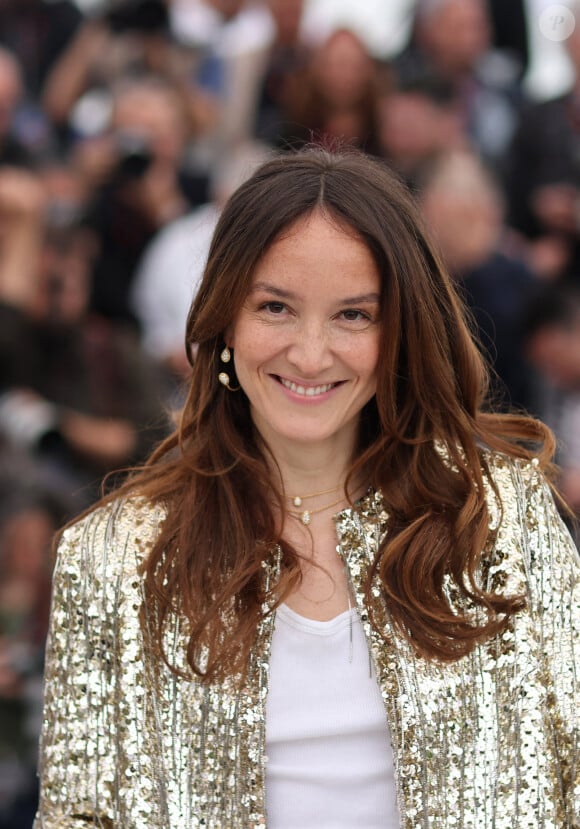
(310, 391)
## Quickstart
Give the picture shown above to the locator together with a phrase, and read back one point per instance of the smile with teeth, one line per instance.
(306, 391)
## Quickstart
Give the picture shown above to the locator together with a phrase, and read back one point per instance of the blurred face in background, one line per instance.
(342, 69)
(154, 114)
(463, 210)
(555, 351)
(456, 34)
(412, 128)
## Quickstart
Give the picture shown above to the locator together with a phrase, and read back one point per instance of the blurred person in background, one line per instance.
(124, 39)
(334, 96)
(463, 208)
(37, 32)
(76, 391)
(510, 26)
(30, 512)
(417, 121)
(231, 39)
(22, 201)
(384, 25)
(13, 149)
(173, 263)
(543, 175)
(552, 336)
(136, 167)
(452, 41)
(287, 57)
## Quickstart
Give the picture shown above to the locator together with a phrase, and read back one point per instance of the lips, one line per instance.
(306, 391)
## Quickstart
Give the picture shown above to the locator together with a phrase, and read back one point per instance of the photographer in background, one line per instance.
(37, 32)
(76, 393)
(125, 39)
(137, 167)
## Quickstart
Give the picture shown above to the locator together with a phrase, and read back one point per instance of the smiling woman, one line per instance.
(306, 350)
(340, 594)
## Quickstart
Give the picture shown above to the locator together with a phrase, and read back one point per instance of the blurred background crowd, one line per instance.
(125, 124)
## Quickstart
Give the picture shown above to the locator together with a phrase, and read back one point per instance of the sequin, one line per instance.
(488, 742)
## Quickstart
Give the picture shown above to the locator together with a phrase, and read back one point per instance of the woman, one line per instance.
(332, 93)
(207, 665)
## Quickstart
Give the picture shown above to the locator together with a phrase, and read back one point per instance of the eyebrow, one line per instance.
(283, 294)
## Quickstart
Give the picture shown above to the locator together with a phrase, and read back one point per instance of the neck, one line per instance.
(307, 469)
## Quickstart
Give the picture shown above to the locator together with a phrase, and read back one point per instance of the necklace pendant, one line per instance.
(297, 501)
(305, 518)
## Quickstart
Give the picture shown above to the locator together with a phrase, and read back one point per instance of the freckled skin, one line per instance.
(310, 321)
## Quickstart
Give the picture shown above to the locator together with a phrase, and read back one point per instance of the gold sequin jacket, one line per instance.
(487, 742)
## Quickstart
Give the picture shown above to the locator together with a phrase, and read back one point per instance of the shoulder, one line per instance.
(113, 538)
(506, 469)
(185, 236)
(514, 481)
(529, 528)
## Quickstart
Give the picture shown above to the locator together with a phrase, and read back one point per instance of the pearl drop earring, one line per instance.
(223, 376)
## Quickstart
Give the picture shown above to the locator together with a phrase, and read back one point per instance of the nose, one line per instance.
(309, 352)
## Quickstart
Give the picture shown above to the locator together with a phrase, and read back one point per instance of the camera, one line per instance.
(134, 156)
(144, 16)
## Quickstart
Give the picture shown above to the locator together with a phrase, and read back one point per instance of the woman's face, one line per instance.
(343, 70)
(306, 341)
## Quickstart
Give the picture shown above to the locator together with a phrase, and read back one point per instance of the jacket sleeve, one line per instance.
(554, 595)
(77, 752)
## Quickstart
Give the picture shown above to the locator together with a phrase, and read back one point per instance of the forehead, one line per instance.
(318, 222)
(318, 250)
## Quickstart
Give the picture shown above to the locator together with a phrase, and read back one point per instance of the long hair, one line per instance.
(309, 110)
(420, 440)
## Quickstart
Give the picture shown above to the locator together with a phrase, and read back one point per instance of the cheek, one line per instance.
(253, 345)
(364, 357)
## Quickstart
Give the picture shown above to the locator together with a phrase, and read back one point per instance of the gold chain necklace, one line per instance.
(306, 515)
(298, 499)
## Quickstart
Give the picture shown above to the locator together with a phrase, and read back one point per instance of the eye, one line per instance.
(275, 308)
(355, 315)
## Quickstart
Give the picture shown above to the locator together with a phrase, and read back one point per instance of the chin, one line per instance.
(303, 436)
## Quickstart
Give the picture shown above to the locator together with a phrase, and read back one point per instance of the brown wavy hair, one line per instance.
(213, 475)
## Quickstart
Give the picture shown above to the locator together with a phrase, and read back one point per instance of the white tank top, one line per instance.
(329, 760)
